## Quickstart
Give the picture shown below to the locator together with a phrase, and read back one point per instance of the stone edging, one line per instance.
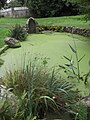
(69, 29)
(76, 30)
(3, 49)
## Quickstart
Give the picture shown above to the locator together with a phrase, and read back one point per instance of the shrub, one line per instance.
(52, 28)
(19, 32)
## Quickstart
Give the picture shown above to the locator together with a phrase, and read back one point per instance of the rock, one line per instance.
(86, 101)
(76, 30)
(8, 101)
(31, 24)
(12, 42)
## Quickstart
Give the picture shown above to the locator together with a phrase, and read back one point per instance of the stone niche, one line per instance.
(31, 24)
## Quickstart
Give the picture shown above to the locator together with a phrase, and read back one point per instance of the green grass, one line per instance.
(77, 21)
(3, 34)
(12, 20)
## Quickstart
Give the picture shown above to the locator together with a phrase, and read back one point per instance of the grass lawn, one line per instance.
(3, 34)
(53, 46)
(77, 21)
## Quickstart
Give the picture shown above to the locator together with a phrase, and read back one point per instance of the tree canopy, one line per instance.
(50, 8)
(84, 6)
(2, 3)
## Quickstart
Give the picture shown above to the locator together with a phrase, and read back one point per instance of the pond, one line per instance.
(51, 45)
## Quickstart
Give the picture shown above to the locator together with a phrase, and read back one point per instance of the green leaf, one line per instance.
(31, 117)
(66, 58)
(61, 66)
(67, 65)
(86, 77)
(62, 90)
(73, 50)
(2, 101)
(81, 58)
(49, 98)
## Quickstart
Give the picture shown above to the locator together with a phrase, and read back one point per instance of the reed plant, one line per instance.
(72, 68)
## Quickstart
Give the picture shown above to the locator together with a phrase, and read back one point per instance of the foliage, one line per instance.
(19, 32)
(2, 3)
(14, 3)
(72, 69)
(22, 2)
(84, 7)
(82, 113)
(41, 90)
(51, 28)
(79, 111)
(42, 8)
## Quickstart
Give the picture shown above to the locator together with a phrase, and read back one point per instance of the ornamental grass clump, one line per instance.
(19, 32)
(39, 90)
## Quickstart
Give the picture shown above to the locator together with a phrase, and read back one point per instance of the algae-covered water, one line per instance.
(51, 45)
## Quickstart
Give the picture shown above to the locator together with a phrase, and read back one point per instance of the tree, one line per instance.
(14, 3)
(2, 3)
(22, 2)
(50, 8)
(84, 7)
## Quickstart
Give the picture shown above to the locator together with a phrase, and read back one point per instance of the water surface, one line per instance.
(50, 45)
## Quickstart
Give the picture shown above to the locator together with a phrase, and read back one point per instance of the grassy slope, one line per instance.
(78, 21)
(3, 34)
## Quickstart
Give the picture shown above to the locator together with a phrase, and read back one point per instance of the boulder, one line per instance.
(12, 42)
(31, 24)
(86, 101)
(8, 101)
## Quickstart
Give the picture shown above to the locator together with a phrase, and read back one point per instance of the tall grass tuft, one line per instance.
(40, 90)
(19, 32)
